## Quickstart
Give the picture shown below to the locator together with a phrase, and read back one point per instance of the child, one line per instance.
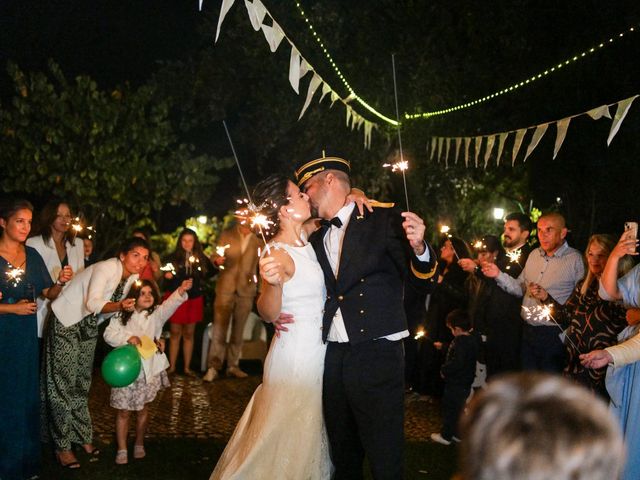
(146, 319)
(458, 371)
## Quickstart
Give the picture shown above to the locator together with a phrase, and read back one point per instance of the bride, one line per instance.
(281, 433)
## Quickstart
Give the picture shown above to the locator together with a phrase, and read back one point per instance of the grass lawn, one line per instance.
(193, 459)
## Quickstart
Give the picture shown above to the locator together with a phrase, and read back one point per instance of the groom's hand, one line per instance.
(414, 230)
(281, 321)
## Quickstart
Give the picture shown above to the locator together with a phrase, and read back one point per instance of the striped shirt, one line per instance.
(558, 274)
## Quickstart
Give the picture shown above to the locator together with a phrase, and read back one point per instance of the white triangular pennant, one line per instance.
(478, 147)
(561, 127)
(446, 155)
(224, 9)
(304, 68)
(367, 134)
(501, 142)
(433, 148)
(467, 142)
(313, 86)
(537, 136)
(325, 89)
(294, 69)
(458, 143)
(599, 112)
(487, 153)
(200, 5)
(621, 112)
(256, 13)
(440, 140)
(516, 145)
(274, 35)
(348, 109)
(334, 97)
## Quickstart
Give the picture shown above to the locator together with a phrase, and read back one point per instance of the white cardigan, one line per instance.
(149, 324)
(48, 252)
(89, 291)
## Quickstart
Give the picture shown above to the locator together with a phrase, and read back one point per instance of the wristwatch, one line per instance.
(61, 284)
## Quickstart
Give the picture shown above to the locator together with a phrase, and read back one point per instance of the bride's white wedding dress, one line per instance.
(281, 433)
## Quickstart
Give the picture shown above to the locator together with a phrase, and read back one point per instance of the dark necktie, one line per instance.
(335, 221)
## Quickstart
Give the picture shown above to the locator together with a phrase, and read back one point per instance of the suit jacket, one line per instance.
(89, 291)
(240, 269)
(48, 252)
(375, 261)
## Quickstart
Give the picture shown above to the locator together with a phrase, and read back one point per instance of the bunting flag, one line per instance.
(599, 112)
(273, 35)
(334, 97)
(501, 142)
(294, 69)
(490, 141)
(440, 139)
(325, 89)
(458, 142)
(537, 136)
(562, 127)
(446, 154)
(467, 142)
(621, 112)
(313, 86)
(348, 109)
(478, 146)
(224, 9)
(516, 145)
(256, 13)
(433, 148)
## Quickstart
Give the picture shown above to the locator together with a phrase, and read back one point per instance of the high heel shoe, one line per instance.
(67, 459)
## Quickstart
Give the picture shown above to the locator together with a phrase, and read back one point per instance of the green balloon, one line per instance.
(121, 366)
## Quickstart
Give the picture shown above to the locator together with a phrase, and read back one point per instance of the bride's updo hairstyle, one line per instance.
(268, 196)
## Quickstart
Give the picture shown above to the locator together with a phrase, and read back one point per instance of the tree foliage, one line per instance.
(115, 156)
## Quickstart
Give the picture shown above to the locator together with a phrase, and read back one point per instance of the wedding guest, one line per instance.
(89, 253)
(58, 246)
(70, 340)
(152, 270)
(24, 276)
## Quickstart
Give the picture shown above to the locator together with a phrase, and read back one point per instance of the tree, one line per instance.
(115, 156)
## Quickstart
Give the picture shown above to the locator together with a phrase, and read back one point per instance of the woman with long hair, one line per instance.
(189, 261)
(55, 240)
(23, 277)
(94, 294)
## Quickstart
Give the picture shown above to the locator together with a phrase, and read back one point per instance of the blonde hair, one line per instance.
(538, 426)
(607, 242)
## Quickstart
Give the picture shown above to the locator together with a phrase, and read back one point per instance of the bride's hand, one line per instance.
(360, 198)
(271, 270)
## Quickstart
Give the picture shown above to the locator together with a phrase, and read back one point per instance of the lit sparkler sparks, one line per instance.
(400, 166)
(478, 245)
(14, 275)
(419, 334)
(542, 313)
(168, 268)
(514, 256)
(220, 249)
(258, 221)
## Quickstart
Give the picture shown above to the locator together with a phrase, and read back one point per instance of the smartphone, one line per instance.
(631, 229)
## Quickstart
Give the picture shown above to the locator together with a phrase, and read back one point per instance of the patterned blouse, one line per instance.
(592, 324)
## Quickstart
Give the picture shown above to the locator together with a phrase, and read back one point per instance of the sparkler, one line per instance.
(402, 165)
(14, 275)
(543, 312)
(478, 245)
(444, 229)
(514, 256)
(220, 249)
(258, 219)
(168, 268)
(419, 334)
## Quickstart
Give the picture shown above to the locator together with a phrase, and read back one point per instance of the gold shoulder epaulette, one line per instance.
(376, 204)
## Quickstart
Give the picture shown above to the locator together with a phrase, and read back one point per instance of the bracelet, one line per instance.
(61, 284)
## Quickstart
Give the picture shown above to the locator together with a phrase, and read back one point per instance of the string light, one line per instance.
(342, 78)
(518, 85)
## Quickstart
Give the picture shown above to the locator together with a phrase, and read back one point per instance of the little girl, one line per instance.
(147, 320)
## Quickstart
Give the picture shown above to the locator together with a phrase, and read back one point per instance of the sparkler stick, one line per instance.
(259, 222)
(544, 312)
(402, 165)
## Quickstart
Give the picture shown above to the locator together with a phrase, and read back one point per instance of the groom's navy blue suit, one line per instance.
(363, 391)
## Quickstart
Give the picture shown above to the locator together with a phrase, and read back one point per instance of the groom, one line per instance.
(366, 259)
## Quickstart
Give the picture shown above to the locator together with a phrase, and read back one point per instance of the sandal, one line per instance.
(67, 459)
(138, 451)
(91, 450)
(122, 457)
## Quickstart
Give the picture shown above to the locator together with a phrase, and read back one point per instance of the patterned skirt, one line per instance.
(135, 396)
